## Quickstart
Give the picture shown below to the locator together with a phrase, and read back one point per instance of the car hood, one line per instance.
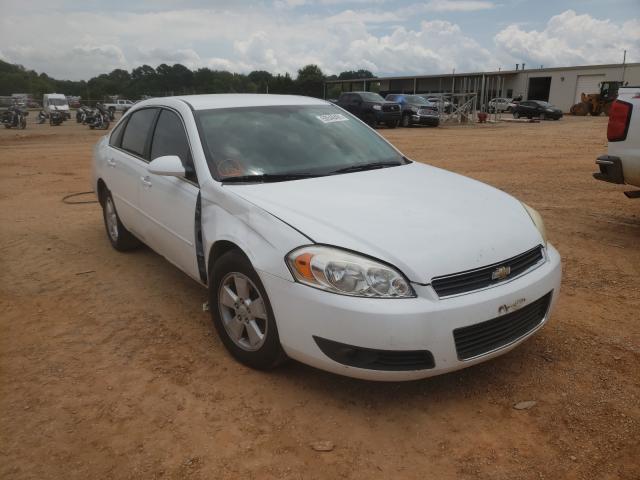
(424, 220)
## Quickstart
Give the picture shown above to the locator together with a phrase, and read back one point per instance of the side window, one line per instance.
(170, 138)
(138, 128)
(355, 99)
(392, 98)
(115, 140)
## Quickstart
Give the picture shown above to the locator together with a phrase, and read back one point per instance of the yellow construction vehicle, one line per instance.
(597, 103)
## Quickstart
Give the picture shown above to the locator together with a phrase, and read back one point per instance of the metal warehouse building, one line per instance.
(560, 86)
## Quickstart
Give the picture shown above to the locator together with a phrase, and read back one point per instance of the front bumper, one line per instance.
(425, 323)
(610, 169)
(384, 117)
(430, 120)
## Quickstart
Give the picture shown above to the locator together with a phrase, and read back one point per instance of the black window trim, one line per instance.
(147, 146)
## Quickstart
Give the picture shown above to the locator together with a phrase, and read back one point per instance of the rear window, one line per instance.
(136, 133)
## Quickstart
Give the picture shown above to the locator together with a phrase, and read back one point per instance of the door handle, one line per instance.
(111, 162)
(146, 181)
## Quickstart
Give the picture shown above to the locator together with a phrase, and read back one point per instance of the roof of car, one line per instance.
(230, 100)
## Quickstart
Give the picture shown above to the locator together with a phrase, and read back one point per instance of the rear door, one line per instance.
(126, 164)
(169, 203)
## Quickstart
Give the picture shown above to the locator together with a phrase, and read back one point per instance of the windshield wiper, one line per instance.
(366, 166)
(268, 177)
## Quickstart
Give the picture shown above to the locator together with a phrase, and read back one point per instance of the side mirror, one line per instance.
(167, 166)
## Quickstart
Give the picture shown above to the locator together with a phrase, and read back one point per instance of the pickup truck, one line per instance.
(371, 108)
(119, 105)
(622, 163)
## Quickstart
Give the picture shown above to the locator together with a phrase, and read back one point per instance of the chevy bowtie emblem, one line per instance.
(500, 273)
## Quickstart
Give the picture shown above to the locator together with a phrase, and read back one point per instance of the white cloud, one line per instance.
(457, 5)
(241, 37)
(570, 39)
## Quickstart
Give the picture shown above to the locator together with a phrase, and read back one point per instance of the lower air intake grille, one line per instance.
(373, 359)
(487, 336)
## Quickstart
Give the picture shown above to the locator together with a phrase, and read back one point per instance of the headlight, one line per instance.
(537, 220)
(339, 271)
(550, 110)
(377, 107)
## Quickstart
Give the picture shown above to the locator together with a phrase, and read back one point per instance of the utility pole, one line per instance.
(624, 64)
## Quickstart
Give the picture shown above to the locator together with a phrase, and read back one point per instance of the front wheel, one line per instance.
(242, 314)
(516, 114)
(121, 239)
(22, 123)
(406, 121)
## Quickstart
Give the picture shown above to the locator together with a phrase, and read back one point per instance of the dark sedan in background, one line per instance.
(536, 108)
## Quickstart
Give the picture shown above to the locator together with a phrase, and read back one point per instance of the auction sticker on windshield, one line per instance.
(332, 117)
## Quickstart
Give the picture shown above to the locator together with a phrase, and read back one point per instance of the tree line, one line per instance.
(170, 80)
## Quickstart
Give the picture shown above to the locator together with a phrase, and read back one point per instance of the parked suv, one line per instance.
(416, 110)
(371, 108)
(622, 162)
(536, 108)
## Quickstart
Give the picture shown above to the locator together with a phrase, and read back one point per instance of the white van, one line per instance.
(55, 101)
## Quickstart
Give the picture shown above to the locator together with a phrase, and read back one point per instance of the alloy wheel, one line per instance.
(112, 219)
(242, 311)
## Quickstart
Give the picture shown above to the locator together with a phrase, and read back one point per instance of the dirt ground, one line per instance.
(109, 368)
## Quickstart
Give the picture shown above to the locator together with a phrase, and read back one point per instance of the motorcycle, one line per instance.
(100, 118)
(14, 117)
(82, 113)
(56, 117)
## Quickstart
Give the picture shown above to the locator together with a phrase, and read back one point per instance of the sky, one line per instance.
(81, 39)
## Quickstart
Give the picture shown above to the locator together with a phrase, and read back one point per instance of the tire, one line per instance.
(23, 123)
(392, 123)
(370, 120)
(516, 114)
(249, 334)
(105, 124)
(120, 238)
(6, 125)
(406, 121)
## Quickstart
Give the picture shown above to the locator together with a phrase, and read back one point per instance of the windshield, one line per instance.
(281, 140)
(543, 104)
(371, 97)
(59, 102)
(416, 100)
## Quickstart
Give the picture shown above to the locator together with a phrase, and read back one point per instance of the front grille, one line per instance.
(487, 336)
(373, 359)
(427, 111)
(479, 278)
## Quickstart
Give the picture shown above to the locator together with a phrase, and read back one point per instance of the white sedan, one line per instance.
(319, 241)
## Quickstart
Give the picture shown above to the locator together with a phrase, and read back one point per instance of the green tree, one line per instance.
(310, 81)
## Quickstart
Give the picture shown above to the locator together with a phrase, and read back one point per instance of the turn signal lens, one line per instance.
(302, 264)
(343, 272)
